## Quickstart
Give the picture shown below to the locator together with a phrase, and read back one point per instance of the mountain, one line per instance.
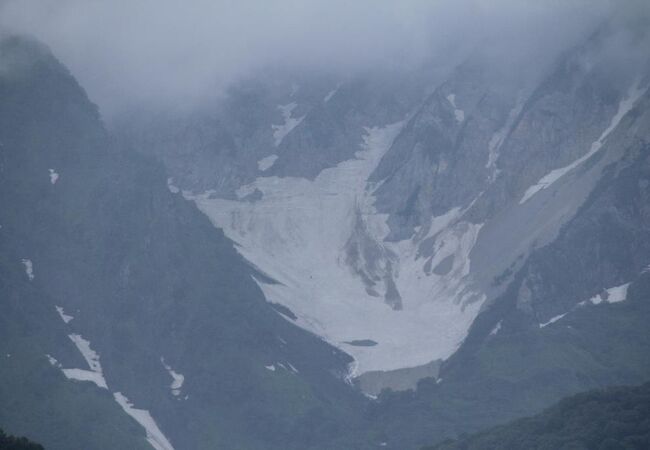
(450, 182)
(464, 239)
(318, 262)
(126, 315)
(609, 418)
(569, 313)
(515, 361)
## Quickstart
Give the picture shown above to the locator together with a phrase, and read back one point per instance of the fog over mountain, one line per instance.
(324, 225)
(170, 51)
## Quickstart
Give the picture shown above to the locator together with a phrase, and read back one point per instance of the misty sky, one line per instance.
(170, 51)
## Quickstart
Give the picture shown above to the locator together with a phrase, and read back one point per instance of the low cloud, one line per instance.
(166, 52)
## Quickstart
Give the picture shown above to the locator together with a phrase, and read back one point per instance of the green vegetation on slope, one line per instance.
(17, 443)
(614, 418)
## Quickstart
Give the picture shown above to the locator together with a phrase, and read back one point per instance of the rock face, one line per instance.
(390, 219)
(572, 318)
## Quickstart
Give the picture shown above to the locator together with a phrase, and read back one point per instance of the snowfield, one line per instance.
(155, 437)
(54, 177)
(330, 94)
(612, 295)
(86, 375)
(280, 131)
(552, 320)
(29, 268)
(65, 317)
(177, 378)
(95, 374)
(458, 113)
(323, 242)
(266, 163)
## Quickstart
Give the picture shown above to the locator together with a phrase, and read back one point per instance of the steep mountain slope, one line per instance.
(573, 318)
(611, 418)
(284, 124)
(459, 234)
(45, 121)
(356, 118)
(120, 299)
(391, 249)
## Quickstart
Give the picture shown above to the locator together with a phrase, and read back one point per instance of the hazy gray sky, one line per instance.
(169, 51)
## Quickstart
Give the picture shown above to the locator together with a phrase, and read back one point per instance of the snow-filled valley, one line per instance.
(322, 242)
